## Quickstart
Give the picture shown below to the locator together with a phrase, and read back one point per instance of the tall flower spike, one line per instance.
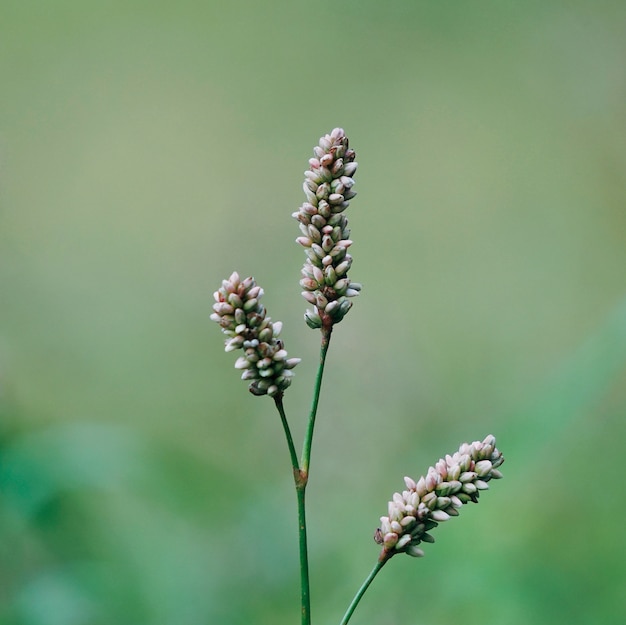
(242, 318)
(325, 234)
(454, 481)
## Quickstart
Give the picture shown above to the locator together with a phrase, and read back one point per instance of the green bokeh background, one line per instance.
(147, 149)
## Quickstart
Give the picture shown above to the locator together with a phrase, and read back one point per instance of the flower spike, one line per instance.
(454, 481)
(242, 318)
(325, 234)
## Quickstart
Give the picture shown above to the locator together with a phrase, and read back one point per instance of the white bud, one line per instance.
(440, 516)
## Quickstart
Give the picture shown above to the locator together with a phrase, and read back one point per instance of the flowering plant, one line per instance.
(447, 486)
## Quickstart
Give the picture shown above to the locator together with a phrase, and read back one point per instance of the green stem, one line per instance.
(300, 482)
(305, 598)
(278, 400)
(308, 439)
(301, 475)
(361, 591)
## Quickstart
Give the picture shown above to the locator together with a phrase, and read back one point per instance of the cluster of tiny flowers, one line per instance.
(242, 318)
(455, 480)
(326, 237)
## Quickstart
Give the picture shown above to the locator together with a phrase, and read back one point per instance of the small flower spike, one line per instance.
(455, 480)
(325, 234)
(242, 318)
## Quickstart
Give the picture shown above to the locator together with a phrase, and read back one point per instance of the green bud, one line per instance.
(414, 551)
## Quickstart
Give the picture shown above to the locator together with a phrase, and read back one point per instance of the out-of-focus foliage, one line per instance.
(148, 149)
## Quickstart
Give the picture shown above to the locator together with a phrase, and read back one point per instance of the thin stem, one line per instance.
(278, 400)
(305, 598)
(308, 439)
(361, 591)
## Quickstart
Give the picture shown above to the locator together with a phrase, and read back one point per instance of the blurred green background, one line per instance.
(147, 149)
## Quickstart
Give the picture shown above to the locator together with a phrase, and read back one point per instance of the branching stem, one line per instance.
(300, 483)
(301, 475)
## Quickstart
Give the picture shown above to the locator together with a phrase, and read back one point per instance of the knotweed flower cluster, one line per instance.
(455, 480)
(242, 318)
(326, 237)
